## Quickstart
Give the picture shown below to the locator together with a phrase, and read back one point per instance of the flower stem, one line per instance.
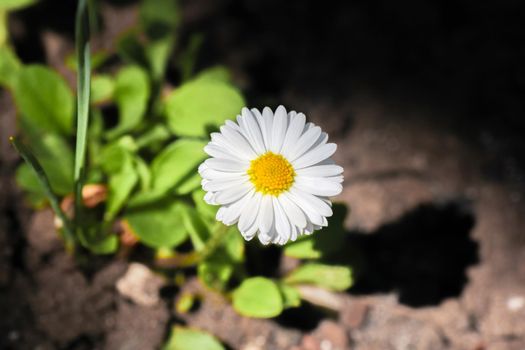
(220, 232)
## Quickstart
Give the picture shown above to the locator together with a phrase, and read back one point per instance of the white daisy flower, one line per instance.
(272, 175)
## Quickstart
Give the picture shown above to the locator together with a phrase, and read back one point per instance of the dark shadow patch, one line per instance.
(262, 260)
(423, 256)
(305, 317)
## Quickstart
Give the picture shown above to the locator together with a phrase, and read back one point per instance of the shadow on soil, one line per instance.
(423, 256)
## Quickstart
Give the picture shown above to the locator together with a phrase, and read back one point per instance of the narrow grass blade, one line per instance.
(83, 91)
(34, 164)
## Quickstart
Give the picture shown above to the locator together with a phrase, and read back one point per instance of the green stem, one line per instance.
(36, 167)
(83, 99)
(220, 232)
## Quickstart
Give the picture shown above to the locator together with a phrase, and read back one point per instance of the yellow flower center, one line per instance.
(271, 174)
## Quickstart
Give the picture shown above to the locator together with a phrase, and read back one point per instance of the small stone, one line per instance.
(140, 285)
(331, 335)
(354, 313)
(515, 303)
(310, 343)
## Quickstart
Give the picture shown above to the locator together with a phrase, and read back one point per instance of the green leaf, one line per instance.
(97, 60)
(258, 297)
(158, 225)
(4, 33)
(132, 92)
(44, 99)
(159, 17)
(234, 244)
(120, 186)
(215, 272)
(12, 5)
(56, 158)
(9, 67)
(83, 52)
(198, 230)
(215, 73)
(202, 105)
(102, 88)
(157, 54)
(206, 210)
(303, 248)
(156, 134)
(143, 172)
(176, 166)
(43, 180)
(118, 161)
(107, 245)
(189, 56)
(131, 50)
(183, 338)
(291, 296)
(218, 268)
(26, 179)
(337, 278)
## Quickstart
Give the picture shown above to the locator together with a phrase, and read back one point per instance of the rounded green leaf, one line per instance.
(331, 277)
(202, 105)
(158, 225)
(183, 338)
(258, 297)
(291, 296)
(12, 5)
(9, 67)
(132, 92)
(176, 166)
(102, 88)
(44, 99)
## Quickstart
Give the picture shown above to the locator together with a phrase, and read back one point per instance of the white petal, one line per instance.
(264, 238)
(224, 184)
(265, 218)
(209, 198)
(232, 212)
(251, 128)
(220, 152)
(293, 212)
(233, 194)
(320, 170)
(293, 133)
(305, 142)
(309, 229)
(261, 121)
(280, 121)
(221, 141)
(267, 115)
(226, 165)
(318, 186)
(250, 232)
(240, 143)
(314, 202)
(307, 206)
(282, 224)
(249, 212)
(295, 233)
(233, 125)
(212, 174)
(315, 156)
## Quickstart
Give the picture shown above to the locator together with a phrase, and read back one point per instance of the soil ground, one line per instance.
(426, 114)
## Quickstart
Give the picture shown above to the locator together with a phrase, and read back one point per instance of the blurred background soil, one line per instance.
(425, 101)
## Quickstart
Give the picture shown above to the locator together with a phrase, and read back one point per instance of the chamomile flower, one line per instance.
(272, 174)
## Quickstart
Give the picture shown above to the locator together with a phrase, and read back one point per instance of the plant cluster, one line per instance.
(117, 160)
